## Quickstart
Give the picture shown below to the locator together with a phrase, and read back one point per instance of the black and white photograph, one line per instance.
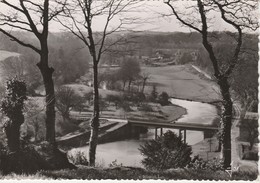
(129, 90)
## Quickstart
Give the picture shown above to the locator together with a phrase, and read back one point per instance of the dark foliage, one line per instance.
(33, 158)
(154, 94)
(163, 98)
(12, 106)
(199, 163)
(167, 151)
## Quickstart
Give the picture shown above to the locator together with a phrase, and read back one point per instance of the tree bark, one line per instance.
(226, 120)
(144, 83)
(129, 85)
(12, 130)
(47, 72)
(95, 119)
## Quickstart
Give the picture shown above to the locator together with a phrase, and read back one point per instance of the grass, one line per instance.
(178, 81)
(84, 172)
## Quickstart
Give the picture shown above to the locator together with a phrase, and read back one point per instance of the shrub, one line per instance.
(125, 106)
(198, 163)
(163, 98)
(139, 98)
(128, 96)
(154, 94)
(146, 108)
(115, 164)
(167, 151)
(78, 159)
(12, 106)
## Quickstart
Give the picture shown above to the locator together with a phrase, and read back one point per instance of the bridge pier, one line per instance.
(184, 134)
(156, 132)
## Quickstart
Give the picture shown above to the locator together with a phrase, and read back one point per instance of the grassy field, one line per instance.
(181, 81)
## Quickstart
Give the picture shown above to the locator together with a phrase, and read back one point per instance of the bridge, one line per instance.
(167, 124)
(158, 124)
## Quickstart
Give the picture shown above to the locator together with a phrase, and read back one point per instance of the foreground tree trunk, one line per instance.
(240, 15)
(226, 117)
(12, 130)
(47, 72)
(25, 17)
(95, 118)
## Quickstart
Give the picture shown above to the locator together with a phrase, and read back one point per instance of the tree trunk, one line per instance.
(12, 131)
(226, 120)
(129, 84)
(124, 82)
(144, 83)
(95, 119)
(47, 72)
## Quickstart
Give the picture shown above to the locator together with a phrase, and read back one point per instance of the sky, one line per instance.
(151, 10)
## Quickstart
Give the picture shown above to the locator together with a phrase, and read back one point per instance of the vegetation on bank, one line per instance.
(84, 172)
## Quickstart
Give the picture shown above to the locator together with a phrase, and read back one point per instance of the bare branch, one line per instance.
(180, 19)
(20, 41)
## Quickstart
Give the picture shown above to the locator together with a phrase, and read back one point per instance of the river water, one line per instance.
(127, 153)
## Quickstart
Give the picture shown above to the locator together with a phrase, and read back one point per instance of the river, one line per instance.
(127, 153)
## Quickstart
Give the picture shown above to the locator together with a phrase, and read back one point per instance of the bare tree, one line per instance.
(237, 14)
(33, 17)
(129, 71)
(66, 99)
(79, 16)
(144, 76)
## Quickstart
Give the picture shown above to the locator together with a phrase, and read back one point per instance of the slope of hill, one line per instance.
(5, 54)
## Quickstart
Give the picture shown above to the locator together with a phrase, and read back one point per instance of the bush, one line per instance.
(138, 98)
(128, 97)
(113, 98)
(199, 163)
(146, 108)
(154, 94)
(167, 151)
(115, 164)
(163, 98)
(78, 159)
(125, 106)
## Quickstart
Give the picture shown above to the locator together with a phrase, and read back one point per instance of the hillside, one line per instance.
(5, 54)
